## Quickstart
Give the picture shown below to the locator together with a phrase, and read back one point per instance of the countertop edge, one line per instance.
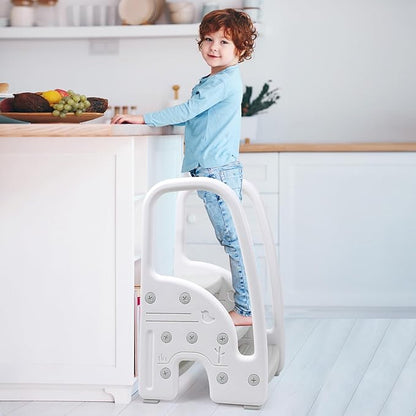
(329, 147)
(81, 130)
(111, 130)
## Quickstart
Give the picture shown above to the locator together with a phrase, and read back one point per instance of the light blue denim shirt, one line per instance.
(212, 120)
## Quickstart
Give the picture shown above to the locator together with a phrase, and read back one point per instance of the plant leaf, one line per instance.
(264, 100)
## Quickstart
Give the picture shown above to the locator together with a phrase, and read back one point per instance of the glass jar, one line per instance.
(45, 13)
(22, 13)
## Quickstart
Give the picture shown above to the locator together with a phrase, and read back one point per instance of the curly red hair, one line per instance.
(237, 26)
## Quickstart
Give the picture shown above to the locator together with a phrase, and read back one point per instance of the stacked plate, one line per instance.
(143, 12)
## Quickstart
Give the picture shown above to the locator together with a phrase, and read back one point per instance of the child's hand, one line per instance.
(127, 119)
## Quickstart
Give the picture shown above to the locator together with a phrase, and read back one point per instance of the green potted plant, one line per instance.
(250, 108)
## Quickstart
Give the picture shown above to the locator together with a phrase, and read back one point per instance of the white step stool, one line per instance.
(184, 318)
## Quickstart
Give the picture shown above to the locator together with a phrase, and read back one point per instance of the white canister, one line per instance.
(100, 14)
(181, 12)
(87, 14)
(73, 15)
(111, 15)
(45, 13)
(22, 13)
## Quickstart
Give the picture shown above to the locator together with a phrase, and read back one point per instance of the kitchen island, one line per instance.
(70, 211)
(342, 216)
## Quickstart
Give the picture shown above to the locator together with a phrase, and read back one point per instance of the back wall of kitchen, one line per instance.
(344, 68)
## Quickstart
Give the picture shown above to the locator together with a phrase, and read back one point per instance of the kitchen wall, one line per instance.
(345, 69)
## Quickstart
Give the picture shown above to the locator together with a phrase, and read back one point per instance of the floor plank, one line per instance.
(350, 367)
(97, 409)
(402, 400)
(384, 369)
(7, 407)
(196, 397)
(138, 408)
(301, 381)
(233, 410)
(45, 409)
(334, 367)
(297, 331)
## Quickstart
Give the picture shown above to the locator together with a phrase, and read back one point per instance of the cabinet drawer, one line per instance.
(262, 169)
(198, 228)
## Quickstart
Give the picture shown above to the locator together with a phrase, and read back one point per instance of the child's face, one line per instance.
(219, 51)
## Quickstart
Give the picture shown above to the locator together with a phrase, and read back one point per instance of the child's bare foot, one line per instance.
(240, 320)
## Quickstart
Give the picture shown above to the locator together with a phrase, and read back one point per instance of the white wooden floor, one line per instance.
(360, 367)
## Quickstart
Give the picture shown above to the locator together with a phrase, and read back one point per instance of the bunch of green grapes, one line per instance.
(73, 103)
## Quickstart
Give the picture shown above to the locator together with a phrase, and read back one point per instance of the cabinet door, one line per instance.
(198, 228)
(348, 229)
(66, 309)
(262, 170)
(157, 158)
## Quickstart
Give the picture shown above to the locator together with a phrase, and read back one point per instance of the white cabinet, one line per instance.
(67, 261)
(200, 242)
(344, 224)
(348, 229)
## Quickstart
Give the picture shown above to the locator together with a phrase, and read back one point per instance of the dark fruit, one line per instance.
(28, 102)
(7, 105)
(98, 105)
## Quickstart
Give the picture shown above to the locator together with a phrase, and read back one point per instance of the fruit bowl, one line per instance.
(52, 106)
(50, 118)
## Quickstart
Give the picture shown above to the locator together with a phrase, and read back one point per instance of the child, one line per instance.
(212, 119)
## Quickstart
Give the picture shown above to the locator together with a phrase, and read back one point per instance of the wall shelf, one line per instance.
(99, 32)
(90, 32)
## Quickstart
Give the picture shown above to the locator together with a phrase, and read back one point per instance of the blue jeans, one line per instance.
(220, 216)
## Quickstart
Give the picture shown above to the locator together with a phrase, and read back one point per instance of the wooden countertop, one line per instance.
(111, 130)
(328, 147)
(80, 130)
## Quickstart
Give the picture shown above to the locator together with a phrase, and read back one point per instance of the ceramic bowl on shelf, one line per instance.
(133, 12)
(181, 12)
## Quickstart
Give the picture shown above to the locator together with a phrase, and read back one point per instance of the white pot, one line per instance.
(251, 3)
(181, 12)
(249, 128)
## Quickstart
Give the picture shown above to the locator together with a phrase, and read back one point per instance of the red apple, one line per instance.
(62, 92)
(6, 105)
